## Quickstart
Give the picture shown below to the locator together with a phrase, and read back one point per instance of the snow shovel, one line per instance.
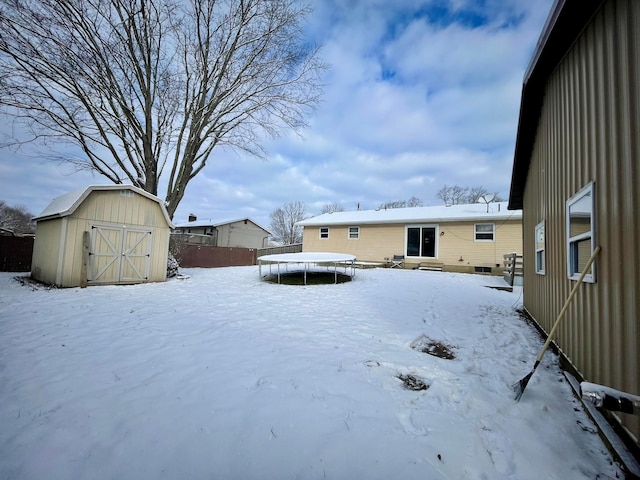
(519, 387)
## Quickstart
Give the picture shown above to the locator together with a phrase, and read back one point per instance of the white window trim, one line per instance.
(541, 225)
(320, 233)
(475, 232)
(591, 234)
(357, 234)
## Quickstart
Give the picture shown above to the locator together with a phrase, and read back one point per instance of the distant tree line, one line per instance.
(457, 195)
(284, 230)
(412, 202)
(17, 219)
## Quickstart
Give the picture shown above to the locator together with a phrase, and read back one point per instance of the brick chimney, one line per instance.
(192, 217)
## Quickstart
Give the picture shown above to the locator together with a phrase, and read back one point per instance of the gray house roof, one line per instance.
(453, 213)
(211, 223)
(66, 204)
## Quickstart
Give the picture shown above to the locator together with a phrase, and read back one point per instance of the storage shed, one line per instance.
(103, 234)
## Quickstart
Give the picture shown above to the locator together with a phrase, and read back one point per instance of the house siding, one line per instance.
(233, 234)
(455, 240)
(240, 234)
(589, 131)
(375, 243)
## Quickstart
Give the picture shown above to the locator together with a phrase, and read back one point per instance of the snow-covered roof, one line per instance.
(66, 204)
(208, 222)
(440, 214)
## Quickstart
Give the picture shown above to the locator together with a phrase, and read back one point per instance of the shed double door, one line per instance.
(119, 254)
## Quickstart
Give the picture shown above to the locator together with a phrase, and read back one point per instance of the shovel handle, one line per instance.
(567, 302)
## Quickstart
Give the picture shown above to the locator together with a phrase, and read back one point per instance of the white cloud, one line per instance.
(419, 94)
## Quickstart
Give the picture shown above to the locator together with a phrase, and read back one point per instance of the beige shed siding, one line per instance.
(110, 206)
(590, 131)
(45, 251)
(378, 242)
(58, 245)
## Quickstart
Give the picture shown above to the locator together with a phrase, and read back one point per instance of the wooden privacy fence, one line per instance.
(513, 267)
(207, 256)
(293, 248)
(15, 253)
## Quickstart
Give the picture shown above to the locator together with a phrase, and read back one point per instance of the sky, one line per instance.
(419, 94)
(254, 380)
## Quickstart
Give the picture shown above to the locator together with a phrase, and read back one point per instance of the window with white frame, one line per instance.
(580, 233)
(540, 248)
(354, 233)
(484, 232)
(324, 232)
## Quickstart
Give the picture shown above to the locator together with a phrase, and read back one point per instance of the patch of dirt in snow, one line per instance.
(425, 344)
(411, 382)
(27, 281)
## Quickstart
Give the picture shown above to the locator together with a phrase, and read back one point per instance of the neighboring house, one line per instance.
(109, 234)
(461, 238)
(576, 175)
(242, 232)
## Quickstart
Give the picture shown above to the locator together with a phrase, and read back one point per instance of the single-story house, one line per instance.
(241, 232)
(576, 176)
(102, 234)
(460, 238)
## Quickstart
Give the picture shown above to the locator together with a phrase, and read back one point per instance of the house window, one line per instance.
(324, 232)
(540, 250)
(421, 241)
(484, 232)
(354, 233)
(580, 233)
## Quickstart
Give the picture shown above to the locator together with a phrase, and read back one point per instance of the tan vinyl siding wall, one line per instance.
(590, 131)
(239, 234)
(458, 242)
(377, 242)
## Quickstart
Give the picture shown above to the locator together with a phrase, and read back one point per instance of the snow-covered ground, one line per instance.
(224, 376)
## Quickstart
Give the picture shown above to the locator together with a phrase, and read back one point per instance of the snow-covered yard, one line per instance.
(223, 376)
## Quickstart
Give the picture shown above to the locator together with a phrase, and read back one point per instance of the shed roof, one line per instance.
(565, 23)
(211, 223)
(440, 214)
(67, 203)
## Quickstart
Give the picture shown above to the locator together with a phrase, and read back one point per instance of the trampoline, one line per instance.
(308, 261)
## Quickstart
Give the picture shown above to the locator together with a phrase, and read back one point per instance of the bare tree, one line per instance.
(16, 219)
(147, 89)
(453, 194)
(412, 202)
(456, 195)
(283, 223)
(481, 194)
(331, 207)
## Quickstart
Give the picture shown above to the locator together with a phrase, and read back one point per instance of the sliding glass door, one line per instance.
(421, 241)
